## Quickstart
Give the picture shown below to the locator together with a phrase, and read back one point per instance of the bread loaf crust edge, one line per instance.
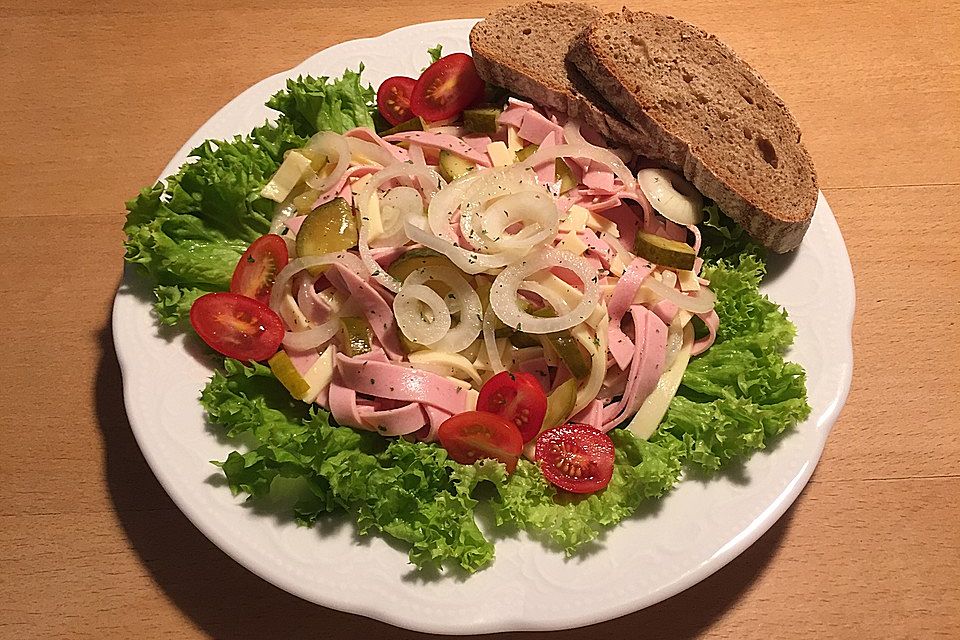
(775, 233)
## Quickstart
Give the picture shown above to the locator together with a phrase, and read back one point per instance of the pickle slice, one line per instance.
(287, 374)
(357, 336)
(523, 340)
(665, 252)
(452, 166)
(417, 259)
(564, 175)
(329, 228)
(526, 152)
(413, 124)
(481, 120)
(562, 342)
(560, 404)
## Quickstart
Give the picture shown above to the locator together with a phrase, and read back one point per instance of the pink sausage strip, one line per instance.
(535, 127)
(342, 186)
(591, 415)
(443, 141)
(396, 382)
(376, 310)
(363, 133)
(645, 368)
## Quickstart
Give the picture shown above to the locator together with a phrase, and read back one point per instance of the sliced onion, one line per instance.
(462, 296)
(446, 364)
(473, 194)
(343, 258)
(534, 208)
(282, 212)
(551, 297)
(370, 151)
(429, 181)
(490, 340)
(396, 205)
(503, 294)
(311, 338)
(329, 145)
(701, 302)
(596, 346)
(588, 151)
(571, 133)
(408, 312)
(674, 341)
(671, 195)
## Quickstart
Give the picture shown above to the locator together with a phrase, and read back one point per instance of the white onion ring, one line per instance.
(471, 193)
(462, 297)
(429, 181)
(490, 340)
(311, 338)
(503, 294)
(294, 267)
(406, 309)
(671, 195)
(534, 208)
(551, 297)
(586, 150)
(330, 145)
(598, 361)
(701, 302)
(396, 205)
(369, 150)
(282, 212)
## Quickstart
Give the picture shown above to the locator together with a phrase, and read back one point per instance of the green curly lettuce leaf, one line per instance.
(313, 104)
(188, 232)
(642, 470)
(724, 238)
(741, 392)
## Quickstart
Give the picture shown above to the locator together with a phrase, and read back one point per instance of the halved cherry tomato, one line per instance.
(393, 99)
(237, 326)
(576, 457)
(259, 265)
(446, 87)
(516, 397)
(475, 435)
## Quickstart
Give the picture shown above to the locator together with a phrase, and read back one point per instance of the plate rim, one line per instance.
(735, 547)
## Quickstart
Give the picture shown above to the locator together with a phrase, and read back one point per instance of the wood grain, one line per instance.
(95, 98)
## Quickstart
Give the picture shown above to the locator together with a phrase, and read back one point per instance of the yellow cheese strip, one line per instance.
(500, 155)
(655, 406)
(295, 168)
(575, 220)
(688, 280)
(320, 374)
(571, 242)
(601, 224)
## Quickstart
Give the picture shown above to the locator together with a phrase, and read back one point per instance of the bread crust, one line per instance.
(779, 228)
(578, 75)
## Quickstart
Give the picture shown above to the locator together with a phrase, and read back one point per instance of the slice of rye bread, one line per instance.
(523, 48)
(707, 112)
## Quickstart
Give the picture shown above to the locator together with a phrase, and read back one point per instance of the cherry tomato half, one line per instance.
(393, 99)
(446, 87)
(576, 457)
(516, 397)
(237, 326)
(475, 435)
(259, 265)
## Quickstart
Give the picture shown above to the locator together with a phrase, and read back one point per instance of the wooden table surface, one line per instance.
(96, 97)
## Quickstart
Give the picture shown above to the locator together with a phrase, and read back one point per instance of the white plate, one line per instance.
(698, 528)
